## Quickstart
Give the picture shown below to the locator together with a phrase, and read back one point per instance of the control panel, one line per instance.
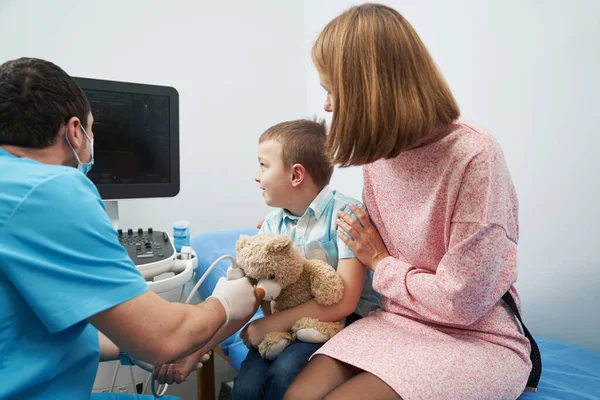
(154, 255)
(146, 246)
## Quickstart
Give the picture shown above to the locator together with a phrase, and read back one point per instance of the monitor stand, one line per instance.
(112, 209)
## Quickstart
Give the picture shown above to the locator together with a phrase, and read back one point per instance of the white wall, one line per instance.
(530, 72)
(238, 67)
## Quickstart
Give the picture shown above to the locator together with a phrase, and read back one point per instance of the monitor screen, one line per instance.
(136, 139)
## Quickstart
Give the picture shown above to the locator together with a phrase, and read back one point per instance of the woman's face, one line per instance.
(328, 99)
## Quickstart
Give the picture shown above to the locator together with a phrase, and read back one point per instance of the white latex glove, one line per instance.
(237, 297)
(234, 273)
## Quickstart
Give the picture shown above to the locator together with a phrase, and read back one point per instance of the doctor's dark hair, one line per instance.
(36, 98)
(303, 142)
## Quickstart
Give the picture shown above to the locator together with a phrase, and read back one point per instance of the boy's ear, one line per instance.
(298, 174)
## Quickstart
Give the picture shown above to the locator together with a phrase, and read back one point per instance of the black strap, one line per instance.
(536, 359)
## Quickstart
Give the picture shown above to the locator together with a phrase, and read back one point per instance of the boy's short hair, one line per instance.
(303, 142)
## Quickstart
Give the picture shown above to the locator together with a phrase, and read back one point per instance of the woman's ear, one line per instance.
(298, 174)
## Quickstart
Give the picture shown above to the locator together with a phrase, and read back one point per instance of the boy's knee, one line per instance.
(282, 376)
(246, 389)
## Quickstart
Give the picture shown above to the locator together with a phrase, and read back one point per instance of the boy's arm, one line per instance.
(352, 273)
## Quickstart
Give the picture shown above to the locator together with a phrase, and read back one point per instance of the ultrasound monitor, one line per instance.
(136, 139)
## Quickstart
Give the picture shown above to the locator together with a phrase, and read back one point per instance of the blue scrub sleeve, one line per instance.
(63, 255)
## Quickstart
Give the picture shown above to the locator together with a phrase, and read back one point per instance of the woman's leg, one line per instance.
(363, 386)
(321, 376)
(249, 382)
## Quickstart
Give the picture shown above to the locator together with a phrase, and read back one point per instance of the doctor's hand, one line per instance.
(178, 371)
(238, 298)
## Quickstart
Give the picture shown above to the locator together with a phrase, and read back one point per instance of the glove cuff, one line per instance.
(225, 305)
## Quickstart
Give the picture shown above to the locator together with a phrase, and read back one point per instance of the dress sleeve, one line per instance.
(480, 263)
(477, 270)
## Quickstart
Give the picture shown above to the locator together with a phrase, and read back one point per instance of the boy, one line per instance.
(294, 175)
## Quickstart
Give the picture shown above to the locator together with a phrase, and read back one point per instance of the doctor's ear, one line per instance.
(298, 174)
(74, 134)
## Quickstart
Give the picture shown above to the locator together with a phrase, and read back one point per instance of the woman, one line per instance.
(443, 239)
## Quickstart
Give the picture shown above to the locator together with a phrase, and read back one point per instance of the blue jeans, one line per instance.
(264, 379)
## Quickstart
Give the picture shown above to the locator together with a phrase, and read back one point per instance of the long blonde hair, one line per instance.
(387, 92)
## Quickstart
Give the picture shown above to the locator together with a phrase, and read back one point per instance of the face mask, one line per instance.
(83, 167)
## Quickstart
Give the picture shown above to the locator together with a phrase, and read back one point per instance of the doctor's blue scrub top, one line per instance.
(60, 263)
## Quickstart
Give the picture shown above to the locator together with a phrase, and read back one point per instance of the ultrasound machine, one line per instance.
(136, 150)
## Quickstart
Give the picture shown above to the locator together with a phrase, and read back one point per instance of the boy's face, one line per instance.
(274, 179)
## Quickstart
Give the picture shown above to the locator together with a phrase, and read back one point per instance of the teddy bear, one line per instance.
(286, 279)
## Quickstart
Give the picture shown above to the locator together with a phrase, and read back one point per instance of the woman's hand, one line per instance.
(364, 240)
(253, 334)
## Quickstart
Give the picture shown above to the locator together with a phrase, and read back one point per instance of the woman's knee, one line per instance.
(296, 392)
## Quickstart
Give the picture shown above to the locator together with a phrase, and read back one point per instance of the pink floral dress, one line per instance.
(447, 213)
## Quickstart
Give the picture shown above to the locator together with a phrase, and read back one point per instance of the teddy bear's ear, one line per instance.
(242, 242)
(280, 242)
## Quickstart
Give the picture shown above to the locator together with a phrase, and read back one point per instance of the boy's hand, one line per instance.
(179, 370)
(253, 334)
(260, 224)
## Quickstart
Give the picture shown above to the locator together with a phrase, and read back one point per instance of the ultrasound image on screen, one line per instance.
(131, 138)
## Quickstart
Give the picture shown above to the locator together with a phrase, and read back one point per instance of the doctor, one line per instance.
(69, 294)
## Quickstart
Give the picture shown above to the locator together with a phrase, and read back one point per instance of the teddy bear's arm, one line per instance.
(326, 286)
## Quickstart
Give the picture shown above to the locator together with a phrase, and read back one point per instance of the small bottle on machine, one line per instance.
(181, 234)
